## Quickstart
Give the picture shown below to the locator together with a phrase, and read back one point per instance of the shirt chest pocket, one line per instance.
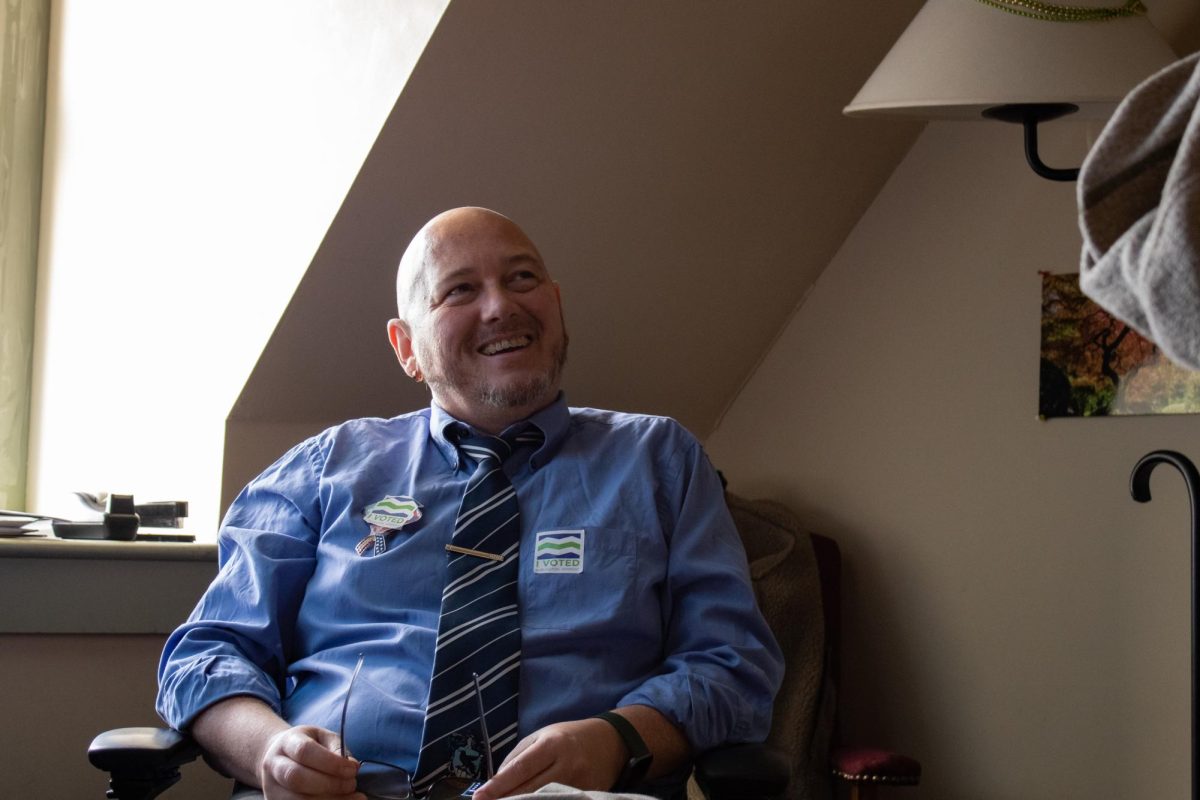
(580, 579)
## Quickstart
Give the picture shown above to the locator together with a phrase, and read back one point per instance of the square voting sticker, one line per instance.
(558, 552)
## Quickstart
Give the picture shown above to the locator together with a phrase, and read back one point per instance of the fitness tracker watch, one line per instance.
(638, 765)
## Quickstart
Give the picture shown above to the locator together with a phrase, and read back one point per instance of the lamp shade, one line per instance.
(959, 57)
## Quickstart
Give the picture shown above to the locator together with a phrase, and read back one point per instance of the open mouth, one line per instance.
(507, 345)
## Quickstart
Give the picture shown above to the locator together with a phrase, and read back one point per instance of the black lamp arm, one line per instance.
(1028, 115)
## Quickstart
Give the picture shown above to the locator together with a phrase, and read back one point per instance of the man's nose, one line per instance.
(498, 304)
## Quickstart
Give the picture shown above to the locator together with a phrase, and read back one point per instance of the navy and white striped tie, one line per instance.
(479, 631)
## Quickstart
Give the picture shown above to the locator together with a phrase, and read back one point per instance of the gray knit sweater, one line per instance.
(1139, 206)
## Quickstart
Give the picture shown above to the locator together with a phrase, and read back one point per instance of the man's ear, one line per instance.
(401, 341)
(561, 316)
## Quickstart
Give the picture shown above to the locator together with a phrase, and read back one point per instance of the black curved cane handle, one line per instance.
(1139, 487)
(1139, 481)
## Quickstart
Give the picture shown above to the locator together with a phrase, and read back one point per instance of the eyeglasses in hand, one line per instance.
(379, 780)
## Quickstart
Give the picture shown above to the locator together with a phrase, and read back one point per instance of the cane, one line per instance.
(1139, 487)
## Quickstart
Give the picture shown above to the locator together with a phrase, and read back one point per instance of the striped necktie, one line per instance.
(479, 631)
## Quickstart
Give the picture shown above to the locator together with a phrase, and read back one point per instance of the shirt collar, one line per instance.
(553, 421)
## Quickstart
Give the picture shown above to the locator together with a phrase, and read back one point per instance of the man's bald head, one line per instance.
(480, 320)
(413, 285)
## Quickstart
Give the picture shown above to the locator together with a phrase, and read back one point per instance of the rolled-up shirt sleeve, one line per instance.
(722, 665)
(239, 638)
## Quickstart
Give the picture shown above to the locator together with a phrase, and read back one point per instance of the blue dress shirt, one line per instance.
(661, 613)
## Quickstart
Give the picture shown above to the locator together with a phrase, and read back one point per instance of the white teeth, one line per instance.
(505, 344)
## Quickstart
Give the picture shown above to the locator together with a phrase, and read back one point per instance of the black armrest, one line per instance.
(742, 772)
(142, 762)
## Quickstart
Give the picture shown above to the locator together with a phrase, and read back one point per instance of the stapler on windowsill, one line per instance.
(120, 522)
(123, 520)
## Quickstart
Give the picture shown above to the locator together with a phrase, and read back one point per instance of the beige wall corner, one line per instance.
(1012, 617)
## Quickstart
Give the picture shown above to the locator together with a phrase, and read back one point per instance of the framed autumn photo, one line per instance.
(1093, 364)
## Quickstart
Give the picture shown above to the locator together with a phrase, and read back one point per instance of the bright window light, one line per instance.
(196, 154)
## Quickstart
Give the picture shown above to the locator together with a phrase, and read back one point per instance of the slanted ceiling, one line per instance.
(684, 167)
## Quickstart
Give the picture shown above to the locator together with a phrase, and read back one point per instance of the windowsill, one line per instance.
(88, 586)
(50, 547)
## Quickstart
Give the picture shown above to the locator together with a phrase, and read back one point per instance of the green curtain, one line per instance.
(25, 25)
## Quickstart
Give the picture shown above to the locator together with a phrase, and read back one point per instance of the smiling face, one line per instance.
(480, 320)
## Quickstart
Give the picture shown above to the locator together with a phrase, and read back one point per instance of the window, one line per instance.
(195, 155)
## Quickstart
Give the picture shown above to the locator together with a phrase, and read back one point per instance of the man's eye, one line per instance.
(458, 291)
(524, 281)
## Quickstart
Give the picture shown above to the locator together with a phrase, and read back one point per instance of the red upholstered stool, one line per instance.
(866, 768)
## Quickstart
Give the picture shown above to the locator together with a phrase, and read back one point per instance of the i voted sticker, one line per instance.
(385, 517)
(558, 552)
(392, 512)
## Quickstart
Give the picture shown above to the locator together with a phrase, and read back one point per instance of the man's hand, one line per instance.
(584, 754)
(249, 742)
(303, 762)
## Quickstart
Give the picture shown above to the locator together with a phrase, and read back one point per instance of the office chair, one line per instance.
(797, 581)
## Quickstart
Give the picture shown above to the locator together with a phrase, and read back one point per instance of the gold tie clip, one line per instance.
(466, 551)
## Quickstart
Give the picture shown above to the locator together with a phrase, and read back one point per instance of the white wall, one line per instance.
(62, 690)
(195, 156)
(1013, 618)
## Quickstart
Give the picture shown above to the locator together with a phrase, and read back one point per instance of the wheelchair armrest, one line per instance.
(742, 772)
(142, 762)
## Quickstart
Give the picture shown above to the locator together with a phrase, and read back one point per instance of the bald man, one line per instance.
(643, 649)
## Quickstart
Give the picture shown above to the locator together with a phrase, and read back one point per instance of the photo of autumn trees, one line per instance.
(1095, 365)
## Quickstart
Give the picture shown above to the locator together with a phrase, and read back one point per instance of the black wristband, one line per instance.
(639, 761)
